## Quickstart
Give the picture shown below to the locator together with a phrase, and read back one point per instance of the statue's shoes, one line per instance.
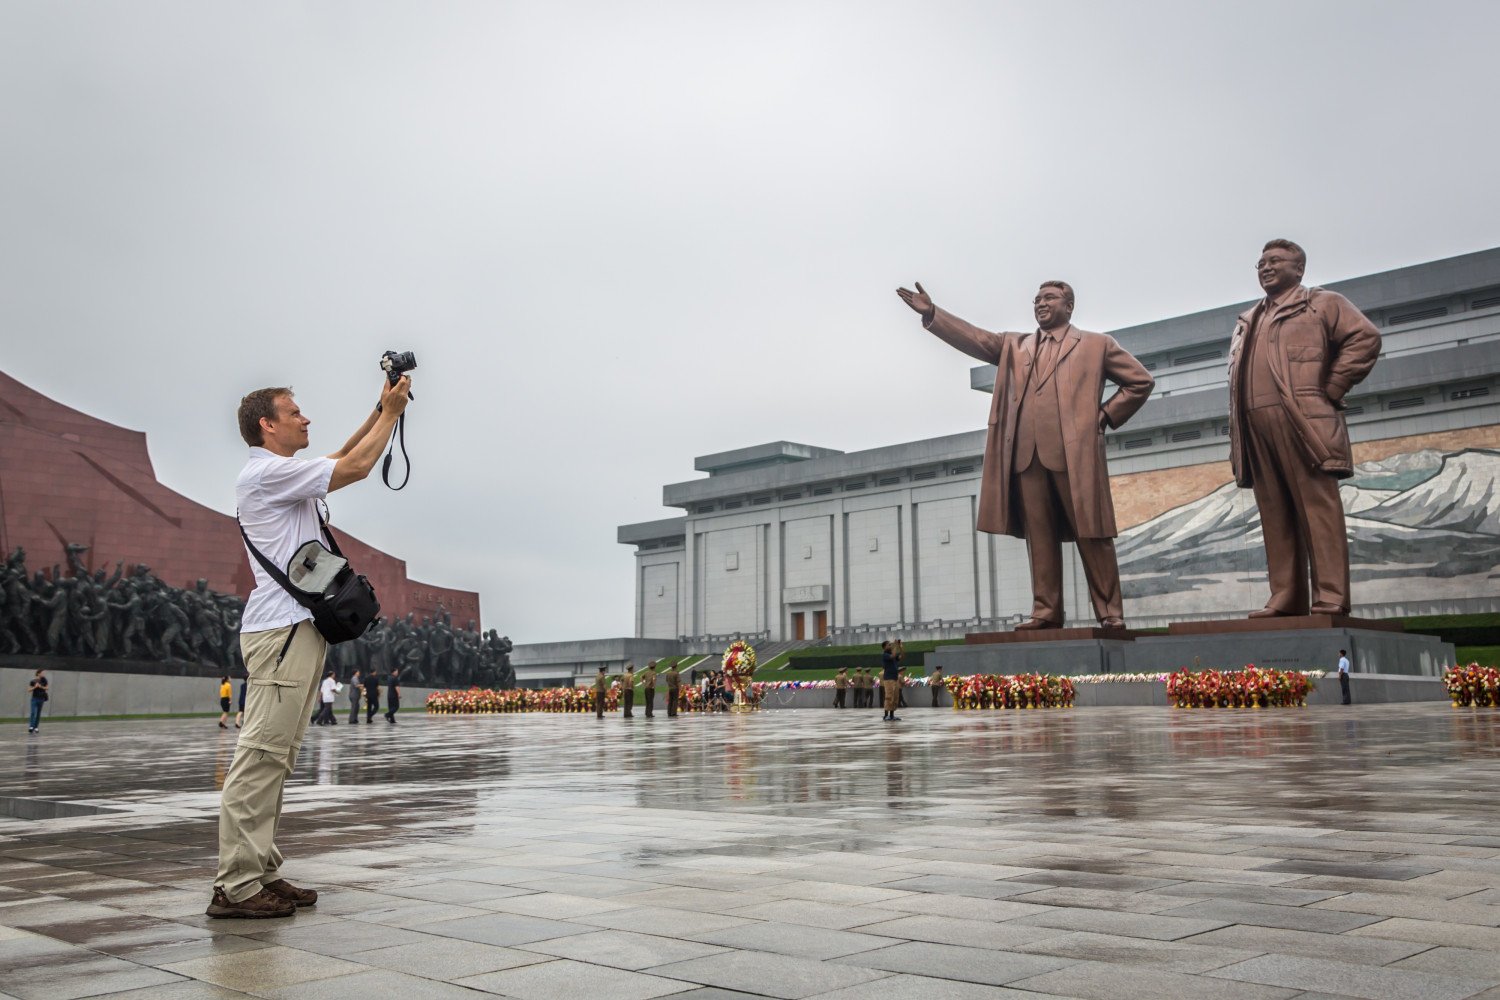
(1118, 623)
(1328, 609)
(1269, 613)
(1032, 624)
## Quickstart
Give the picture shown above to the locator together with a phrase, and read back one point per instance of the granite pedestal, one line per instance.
(1308, 642)
(1053, 651)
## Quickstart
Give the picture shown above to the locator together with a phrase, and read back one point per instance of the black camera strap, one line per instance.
(397, 432)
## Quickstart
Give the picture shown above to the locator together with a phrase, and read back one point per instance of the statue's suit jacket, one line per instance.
(1320, 346)
(1085, 361)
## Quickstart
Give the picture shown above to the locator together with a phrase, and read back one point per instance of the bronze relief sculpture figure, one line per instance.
(1294, 356)
(1045, 477)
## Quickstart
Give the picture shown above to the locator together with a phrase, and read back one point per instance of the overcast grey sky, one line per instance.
(620, 235)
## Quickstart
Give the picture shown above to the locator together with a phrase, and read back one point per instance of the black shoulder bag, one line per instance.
(344, 607)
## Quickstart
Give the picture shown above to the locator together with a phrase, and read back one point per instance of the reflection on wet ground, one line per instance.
(1093, 853)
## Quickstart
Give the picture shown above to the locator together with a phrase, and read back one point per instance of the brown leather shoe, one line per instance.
(1269, 613)
(262, 904)
(282, 889)
(1032, 624)
(1328, 609)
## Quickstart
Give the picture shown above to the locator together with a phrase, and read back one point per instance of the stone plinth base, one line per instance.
(1283, 624)
(1289, 644)
(1046, 635)
(1049, 655)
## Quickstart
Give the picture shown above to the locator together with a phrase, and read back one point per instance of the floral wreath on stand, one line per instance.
(739, 667)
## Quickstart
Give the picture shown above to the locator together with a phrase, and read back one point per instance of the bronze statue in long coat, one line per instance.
(1045, 477)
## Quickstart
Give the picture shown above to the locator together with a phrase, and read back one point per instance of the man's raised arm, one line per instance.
(355, 460)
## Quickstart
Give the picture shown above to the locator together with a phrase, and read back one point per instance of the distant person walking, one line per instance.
(354, 690)
(393, 697)
(372, 696)
(327, 693)
(226, 692)
(1344, 676)
(38, 690)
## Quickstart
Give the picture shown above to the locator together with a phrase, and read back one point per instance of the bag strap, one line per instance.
(333, 545)
(306, 600)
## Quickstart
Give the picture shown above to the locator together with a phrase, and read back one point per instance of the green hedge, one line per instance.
(1461, 630)
(868, 655)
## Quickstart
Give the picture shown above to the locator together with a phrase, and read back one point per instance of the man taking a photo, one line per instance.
(277, 495)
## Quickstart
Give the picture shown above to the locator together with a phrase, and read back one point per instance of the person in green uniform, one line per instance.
(674, 689)
(627, 690)
(840, 687)
(935, 682)
(648, 687)
(601, 691)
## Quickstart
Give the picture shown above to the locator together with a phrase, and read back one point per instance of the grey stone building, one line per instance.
(787, 541)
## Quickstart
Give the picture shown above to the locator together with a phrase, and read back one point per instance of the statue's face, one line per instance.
(1279, 270)
(1051, 308)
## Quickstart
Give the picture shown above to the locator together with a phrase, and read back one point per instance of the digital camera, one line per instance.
(397, 363)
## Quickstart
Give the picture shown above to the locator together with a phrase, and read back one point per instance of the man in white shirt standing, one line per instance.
(277, 496)
(1344, 675)
(329, 692)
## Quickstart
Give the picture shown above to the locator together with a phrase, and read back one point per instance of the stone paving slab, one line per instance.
(1124, 853)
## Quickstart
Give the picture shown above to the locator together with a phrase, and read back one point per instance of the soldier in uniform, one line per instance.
(627, 690)
(648, 687)
(840, 686)
(674, 688)
(935, 682)
(601, 692)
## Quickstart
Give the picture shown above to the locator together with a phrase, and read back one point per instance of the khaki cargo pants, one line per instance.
(285, 666)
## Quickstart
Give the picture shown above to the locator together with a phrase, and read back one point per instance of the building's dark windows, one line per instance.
(1488, 302)
(1472, 392)
(925, 474)
(1404, 404)
(733, 504)
(822, 491)
(960, 470)
(889, 480)
(1186, 435)
(791, 496)
(1196, 356)
(1411, 317)
(1134, 443)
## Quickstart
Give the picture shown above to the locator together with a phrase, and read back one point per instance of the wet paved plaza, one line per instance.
(1100, 853)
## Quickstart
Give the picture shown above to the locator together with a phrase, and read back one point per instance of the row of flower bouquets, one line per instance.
(1252, 687)
(1473, 686)
(480, 701)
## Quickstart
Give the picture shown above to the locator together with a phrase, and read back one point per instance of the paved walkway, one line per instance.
(1102, 853)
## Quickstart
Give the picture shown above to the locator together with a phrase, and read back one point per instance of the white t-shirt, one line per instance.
(277, 501)
(1343, 664)
(330, 688)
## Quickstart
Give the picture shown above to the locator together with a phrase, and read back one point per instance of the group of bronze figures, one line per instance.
(97, 614)
(1293, 357)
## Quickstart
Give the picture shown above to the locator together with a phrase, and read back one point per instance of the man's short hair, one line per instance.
(1066, 288)
(257, 405)
(1287, 245)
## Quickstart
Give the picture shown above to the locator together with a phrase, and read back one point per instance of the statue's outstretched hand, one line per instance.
(919, 300)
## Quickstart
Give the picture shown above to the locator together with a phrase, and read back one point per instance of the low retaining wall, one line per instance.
(93, 692)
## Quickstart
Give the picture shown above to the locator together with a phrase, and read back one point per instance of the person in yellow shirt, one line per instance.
(226, 691)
